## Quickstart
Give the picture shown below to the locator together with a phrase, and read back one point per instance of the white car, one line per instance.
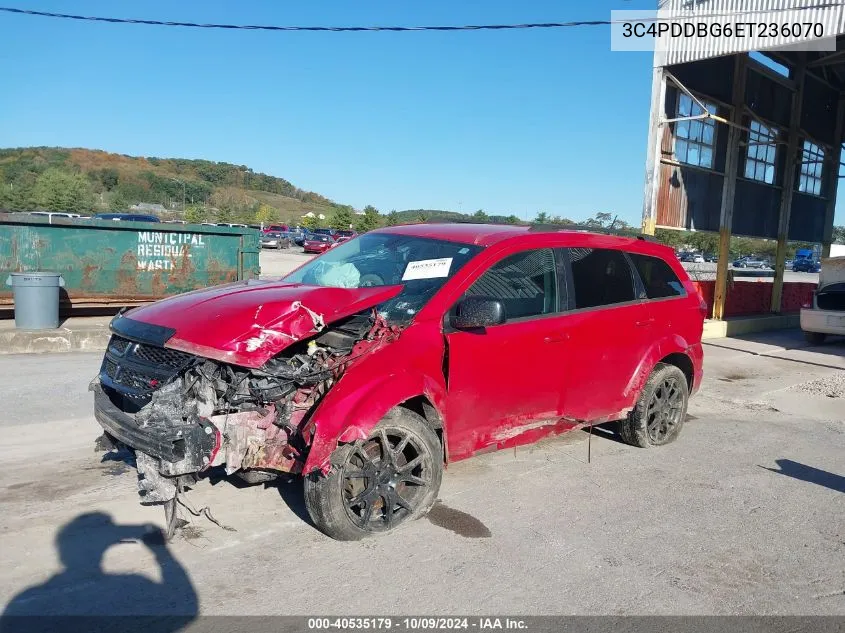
(826, 315)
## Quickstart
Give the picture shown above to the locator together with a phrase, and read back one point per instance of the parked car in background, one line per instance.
(787, 264)
(347, 234)
(126, 217)
(275, 239)
(751, 262)
(297, 236)
(234, 226)
(690, 257)
(174, 222)
(826, 313)
(276, 228)
(324, 231)
(806, 265)
(806, 261)
(711, 258)
(318, 243)
(366, 391)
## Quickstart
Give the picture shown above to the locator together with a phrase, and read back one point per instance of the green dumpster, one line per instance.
(104, 262)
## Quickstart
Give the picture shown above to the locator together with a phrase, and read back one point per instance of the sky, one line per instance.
(508, 122)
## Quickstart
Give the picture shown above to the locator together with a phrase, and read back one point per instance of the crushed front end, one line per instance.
(182, 414)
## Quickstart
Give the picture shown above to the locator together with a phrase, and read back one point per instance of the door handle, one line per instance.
(557, 338)
(644, 322)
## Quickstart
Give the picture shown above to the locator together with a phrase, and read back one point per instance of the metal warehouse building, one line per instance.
(747, 144)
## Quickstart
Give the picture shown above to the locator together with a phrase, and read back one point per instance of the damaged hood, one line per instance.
(247, 323)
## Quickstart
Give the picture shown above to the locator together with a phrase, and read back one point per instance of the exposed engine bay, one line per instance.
(183, 414)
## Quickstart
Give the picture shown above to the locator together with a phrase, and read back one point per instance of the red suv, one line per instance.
(371, 367)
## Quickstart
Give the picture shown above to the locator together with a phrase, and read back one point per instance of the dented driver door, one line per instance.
(503, 387)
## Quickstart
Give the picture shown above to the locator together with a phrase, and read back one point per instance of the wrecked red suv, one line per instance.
(369, 368)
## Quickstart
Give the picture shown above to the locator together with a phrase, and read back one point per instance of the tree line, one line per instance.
(50, 179)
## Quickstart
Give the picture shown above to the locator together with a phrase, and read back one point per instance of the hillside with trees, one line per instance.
(89, 181)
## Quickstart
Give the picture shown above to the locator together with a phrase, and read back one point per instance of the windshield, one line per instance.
(421, 265)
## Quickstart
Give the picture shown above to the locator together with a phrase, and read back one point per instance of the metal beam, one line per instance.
(729, 187)
(791, 162)
(833, 58)
(833, 178)
(655, 142)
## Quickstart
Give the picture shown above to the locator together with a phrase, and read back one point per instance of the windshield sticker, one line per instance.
(427, 269)
(463, 251)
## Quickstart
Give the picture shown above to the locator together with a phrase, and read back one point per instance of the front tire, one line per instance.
(660, 411)
(377, 484)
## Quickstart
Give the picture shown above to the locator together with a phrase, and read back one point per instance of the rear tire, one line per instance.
(660, 411)
(815, 338)
(371, 490)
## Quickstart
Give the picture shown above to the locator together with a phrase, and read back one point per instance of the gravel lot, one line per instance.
(744, 514)
(275, 263)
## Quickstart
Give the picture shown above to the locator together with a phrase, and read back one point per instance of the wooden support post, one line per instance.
(729, 187)
(655, 141)
(791, 161)
(832, 184)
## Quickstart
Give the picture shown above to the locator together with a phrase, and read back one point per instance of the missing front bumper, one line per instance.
(179, 449)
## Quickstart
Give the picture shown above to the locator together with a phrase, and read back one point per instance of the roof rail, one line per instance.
(589, 229)
(647, 238)
(539, 228)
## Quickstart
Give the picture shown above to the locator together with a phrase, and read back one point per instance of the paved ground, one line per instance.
(276, 263)
(745, 513)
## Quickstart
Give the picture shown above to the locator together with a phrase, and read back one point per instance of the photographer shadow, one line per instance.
(83, 595)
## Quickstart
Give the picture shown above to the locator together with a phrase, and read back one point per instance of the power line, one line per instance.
(468, 27)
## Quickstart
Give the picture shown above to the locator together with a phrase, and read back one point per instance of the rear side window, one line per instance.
(600, 277)
(525, 283)
(658, 278)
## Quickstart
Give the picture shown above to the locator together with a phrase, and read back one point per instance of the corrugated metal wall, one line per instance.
(689, 197)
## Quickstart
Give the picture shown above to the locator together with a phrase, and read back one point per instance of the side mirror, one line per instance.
(472, 313)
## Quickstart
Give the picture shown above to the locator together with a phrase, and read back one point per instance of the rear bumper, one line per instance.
(823, 321)
(696, 354)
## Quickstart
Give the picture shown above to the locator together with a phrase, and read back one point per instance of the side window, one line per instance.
(525, 283)
(600, 277)
(658, 278)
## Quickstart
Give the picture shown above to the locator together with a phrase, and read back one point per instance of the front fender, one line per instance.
(350, 417)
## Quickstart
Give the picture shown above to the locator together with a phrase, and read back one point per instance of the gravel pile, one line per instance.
(832, 386)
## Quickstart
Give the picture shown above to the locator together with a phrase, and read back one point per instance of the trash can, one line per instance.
(36, 298)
